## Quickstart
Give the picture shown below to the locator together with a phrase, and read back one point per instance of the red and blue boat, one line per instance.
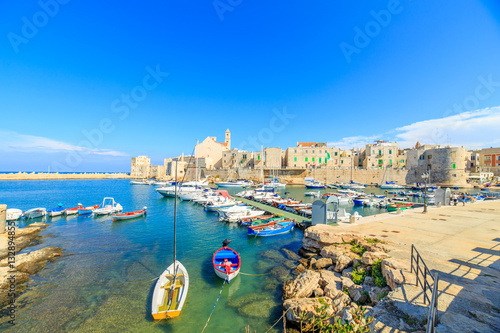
(226, 262)
(273, 229)
(87, 210)
(129, 216)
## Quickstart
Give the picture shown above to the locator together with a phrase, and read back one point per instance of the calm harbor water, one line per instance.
(106, 282)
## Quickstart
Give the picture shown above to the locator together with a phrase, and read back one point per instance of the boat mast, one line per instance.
(175, 215)
(196, 159)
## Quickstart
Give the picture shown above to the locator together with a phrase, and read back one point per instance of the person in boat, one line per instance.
(227, 265)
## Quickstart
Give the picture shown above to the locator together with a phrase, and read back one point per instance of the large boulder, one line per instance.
(321, 235)
(322, 263)
(394, 272)
(343, 262)
(302, 286)
(330, 278)
(369, 258)
(295, 306)
(290, 254)
(358, 294)
(346, 283)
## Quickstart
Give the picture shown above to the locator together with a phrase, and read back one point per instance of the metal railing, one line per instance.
(432, 319)
(416, 266)
(425, 272)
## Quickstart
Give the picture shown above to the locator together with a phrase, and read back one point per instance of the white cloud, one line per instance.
(14, 142)
(472, 130)
(354, 141)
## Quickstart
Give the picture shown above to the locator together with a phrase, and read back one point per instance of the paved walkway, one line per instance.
(462, 243)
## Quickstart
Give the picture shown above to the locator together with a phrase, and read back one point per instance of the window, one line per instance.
(258, 157)
(244, 156)
(390, 162)
(320, 160)
(454, 155)
(453, 165)
(429, 157)
(402, 161)
(336, 153)
(359, 160)
(473, 157)
(380, 152)
(295, 159)
(320, 151)
(295, 151)
(306, 159)
(390, 151)
(313, 159)
(487, 158)
(306, 151)
(472, 164)
(342, 162)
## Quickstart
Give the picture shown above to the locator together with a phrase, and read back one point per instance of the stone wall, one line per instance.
(297, 176)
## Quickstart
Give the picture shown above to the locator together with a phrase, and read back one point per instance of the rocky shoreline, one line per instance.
(14, 273)
(339, 273)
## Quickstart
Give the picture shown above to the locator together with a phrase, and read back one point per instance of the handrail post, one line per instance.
(425, 283)
(411, 259)
(416, 269)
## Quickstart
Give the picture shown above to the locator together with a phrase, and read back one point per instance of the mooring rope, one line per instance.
(277, 321)
(253, 274)
(220, 293)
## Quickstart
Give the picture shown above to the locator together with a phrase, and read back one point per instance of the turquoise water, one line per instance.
(107, 281)
(106, 284)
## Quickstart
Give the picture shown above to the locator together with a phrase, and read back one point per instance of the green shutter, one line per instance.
(295, 159)
(258, 157)
(320, 160)
(306, 159)
(453, 165)
(313, 159)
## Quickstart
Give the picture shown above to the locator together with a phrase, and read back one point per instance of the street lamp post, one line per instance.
(425, 176)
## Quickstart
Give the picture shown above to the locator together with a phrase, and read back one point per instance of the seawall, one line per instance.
(56, 176)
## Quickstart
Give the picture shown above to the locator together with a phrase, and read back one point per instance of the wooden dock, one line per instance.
(274, 210)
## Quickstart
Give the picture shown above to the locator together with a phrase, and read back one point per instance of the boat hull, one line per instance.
(271, 230)
(13, 214)
(218, 260)
(129, 216)
(161, 307)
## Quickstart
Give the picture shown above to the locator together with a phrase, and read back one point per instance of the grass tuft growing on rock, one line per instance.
(377, 276)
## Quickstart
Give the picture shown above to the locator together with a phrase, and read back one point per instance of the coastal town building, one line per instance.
(445, 165)
(140, 167)
(381, 154)
(312, 154)
(158, 172)
(489, 160)
(213, 151)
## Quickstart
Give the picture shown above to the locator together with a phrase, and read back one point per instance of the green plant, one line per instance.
(377, 276)
(374, 241)
(358, 276)
(358, 249)
(320, 323)
(381, 296)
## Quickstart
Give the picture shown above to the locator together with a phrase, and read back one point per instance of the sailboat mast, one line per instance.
(196, 158)
(175, 214)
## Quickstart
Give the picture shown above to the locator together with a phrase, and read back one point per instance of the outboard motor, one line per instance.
(225, 242)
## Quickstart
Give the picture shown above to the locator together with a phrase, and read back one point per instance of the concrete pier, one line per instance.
(274, 210)
(3, 216)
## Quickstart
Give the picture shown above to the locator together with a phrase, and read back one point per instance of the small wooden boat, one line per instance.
(109, 206)
(129, 216)
(13, 214)
(35, 213)
(72, 211)
(250, 220)
(272, 230)
(87, 210)
(394, 206)
(170, 292)
(59, 210)
(226, 262)
(269, 221)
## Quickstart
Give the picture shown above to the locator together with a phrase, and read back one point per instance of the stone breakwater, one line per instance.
(15, 274)
(346, 270)
(56, 176)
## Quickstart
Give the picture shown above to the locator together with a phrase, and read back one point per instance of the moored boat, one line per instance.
(272, 230)
(13, 214)
(59, 210)
(129, 216)
(35, 213)
(226, 262)
(170, 292)
(394, 206)
(72, 211)
(87, 210)
(109, 206)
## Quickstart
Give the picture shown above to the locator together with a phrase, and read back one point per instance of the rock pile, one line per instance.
(342, 270)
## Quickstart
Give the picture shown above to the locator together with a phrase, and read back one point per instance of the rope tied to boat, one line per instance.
(213, 309)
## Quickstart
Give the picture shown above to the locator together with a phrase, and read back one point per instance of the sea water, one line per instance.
(105, 280)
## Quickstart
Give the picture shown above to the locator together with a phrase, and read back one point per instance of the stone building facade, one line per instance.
(489, 160)
(312, 154)
(213, 151)
(140, 167)
(381, 155)
(445, 165)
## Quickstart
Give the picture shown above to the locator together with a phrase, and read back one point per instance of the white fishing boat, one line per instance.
(231, 184)
(236, 213)
(214, 206)
(184, 188)
(172, 286)
(13, 214)
(109, 206)
(316, 194)
(35, 213)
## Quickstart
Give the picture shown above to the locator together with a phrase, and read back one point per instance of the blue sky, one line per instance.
(86, 85)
